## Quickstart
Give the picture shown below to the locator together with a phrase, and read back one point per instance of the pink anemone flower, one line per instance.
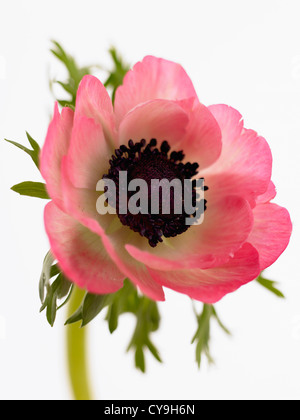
(159, 129)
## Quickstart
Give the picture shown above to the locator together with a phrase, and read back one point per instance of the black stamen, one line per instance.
(145, 161)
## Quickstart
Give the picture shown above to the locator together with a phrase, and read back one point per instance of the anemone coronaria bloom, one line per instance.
(242, 232)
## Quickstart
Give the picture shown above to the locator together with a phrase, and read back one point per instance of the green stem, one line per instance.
(76, 351)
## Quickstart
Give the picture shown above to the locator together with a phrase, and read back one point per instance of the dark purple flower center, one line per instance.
(145, 161)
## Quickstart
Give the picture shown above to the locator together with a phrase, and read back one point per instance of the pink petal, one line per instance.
(80, 253)
(245, 165)
(134, 270)
(153, 78)
(172, 259)
(55, 147)
(268, 195)
(159, 119)
(202, 143)
(211, 285)
(230, 122)
(81, 205)
(93, 101)
(271, 232)
(224, 184)
(88, 155)
(226, 226)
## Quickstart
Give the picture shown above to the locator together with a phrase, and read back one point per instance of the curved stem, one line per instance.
(76, 351)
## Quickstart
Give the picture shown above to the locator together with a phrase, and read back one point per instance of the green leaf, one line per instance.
(202, 335)
(69, 87)
(154, 351)
(92, 306)
(64, 286)
(65, 58)
(147, 322)
(126, 300)
(57, 290)
(140, 359)
(54, 270)
(51, 302)
(46, 275)
(214, 313)
(75, 74)
(76, 317)
(113, 316)
(270, 285)
(115, 79)
(34, 153)
(35, 146)
(67, 298)
(32, 189)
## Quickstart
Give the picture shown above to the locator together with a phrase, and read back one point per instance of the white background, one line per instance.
(243, 53)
